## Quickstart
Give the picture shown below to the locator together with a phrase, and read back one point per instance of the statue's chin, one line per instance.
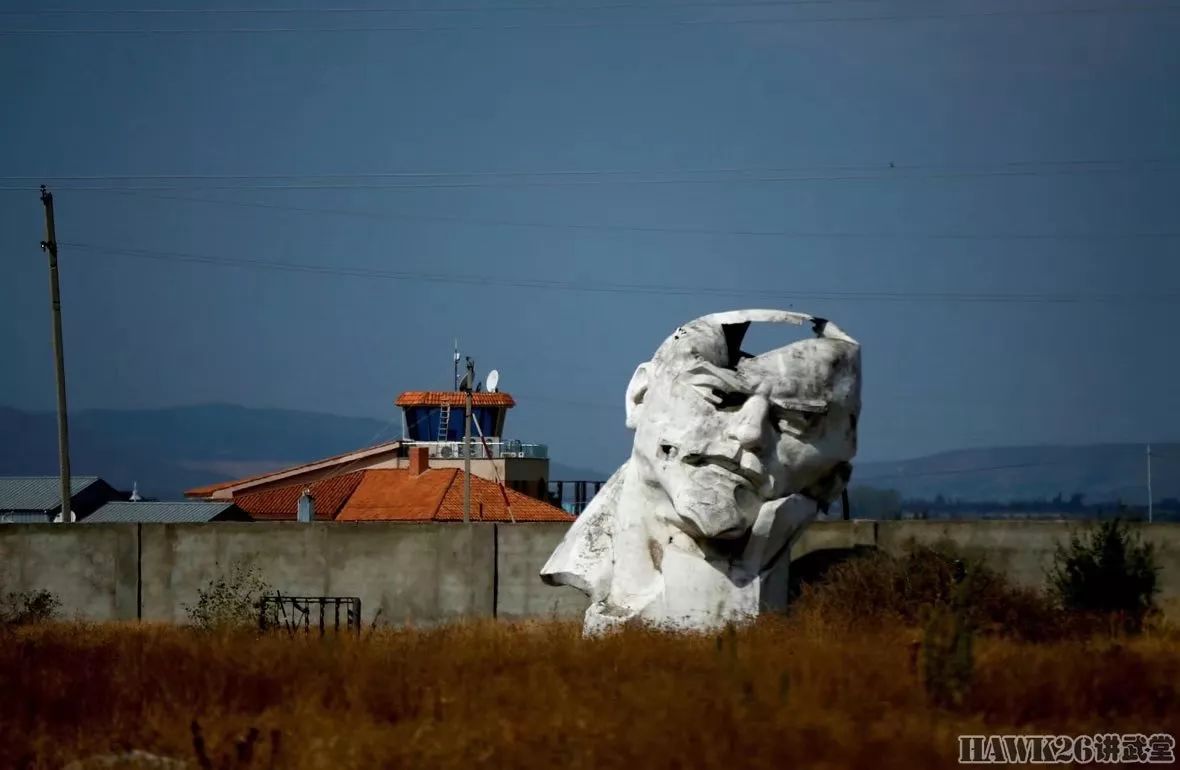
(715, 524)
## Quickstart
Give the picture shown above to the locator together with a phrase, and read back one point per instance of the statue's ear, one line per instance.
(636, 392)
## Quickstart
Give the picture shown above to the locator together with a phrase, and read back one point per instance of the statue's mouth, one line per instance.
(747, 476)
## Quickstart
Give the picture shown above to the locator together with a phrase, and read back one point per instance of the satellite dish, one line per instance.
(493, 380)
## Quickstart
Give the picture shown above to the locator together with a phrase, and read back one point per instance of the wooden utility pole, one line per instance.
(1150, 497)
(468, 384)
(49, 245)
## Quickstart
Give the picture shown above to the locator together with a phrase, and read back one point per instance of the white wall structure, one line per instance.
(733, 455)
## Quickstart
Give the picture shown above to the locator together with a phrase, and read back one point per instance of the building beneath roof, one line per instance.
(186, 512)
(37, 499)
(431, 420)
(419, 492)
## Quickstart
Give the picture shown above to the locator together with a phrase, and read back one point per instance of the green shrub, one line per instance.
(1107, 572)
(229, 600)
(18, 608)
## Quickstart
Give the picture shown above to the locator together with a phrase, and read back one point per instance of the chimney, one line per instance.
(306, 507)
(419, 460)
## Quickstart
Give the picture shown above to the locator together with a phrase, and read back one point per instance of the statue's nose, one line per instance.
(748, 425)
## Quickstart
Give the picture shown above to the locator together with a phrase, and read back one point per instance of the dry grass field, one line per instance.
(883, 664)
(798, 692)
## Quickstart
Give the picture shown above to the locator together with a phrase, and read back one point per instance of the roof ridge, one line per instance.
(49, 476)
(436, 509)
(235, 482)
(306, 484)
(168, 502)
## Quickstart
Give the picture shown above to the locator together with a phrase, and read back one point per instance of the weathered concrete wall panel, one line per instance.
(522, 549)
(423, 573)
(836, 536)
(91, 569)
(1022, 550)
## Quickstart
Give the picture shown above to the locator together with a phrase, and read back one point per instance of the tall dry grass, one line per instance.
(781, 693)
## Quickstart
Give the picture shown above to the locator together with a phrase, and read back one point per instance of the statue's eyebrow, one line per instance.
(808, 405)
(726, 376)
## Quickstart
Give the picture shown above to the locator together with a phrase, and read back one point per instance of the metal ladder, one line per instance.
(444, 422)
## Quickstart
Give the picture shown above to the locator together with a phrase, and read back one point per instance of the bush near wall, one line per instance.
(19, 608)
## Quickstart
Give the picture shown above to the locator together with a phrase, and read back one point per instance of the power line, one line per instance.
(1099, 11)
(488, 222)
(435, 9)
(638, 289)
(880, 167)
(326, 184)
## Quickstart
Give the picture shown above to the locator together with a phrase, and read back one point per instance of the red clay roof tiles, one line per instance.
(439, 398)
(487, 504)
(397, 495)
(282, 503)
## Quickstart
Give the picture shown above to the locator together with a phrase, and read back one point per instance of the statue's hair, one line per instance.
(717, 337)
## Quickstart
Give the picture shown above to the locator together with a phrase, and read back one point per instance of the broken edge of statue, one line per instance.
(734, 454)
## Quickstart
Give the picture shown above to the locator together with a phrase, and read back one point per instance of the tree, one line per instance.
(1107, 571)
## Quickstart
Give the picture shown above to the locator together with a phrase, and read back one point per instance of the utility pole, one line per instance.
(1149, 495)
(63, 429)
(468, 384)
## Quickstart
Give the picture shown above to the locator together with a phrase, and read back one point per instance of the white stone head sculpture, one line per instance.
(734, 454)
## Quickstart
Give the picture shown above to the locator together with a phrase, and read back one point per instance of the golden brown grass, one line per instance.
(782, 693)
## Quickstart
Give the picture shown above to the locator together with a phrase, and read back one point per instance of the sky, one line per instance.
(983, 194)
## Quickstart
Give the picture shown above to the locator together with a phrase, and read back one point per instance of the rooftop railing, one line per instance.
(494, 449)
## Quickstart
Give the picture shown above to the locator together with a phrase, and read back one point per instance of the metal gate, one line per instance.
(305, 613)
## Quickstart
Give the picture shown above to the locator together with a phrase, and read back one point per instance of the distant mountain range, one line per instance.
(170, 450)
(1101, 472)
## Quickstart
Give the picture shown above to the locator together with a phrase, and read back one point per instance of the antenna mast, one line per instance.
(455, 378)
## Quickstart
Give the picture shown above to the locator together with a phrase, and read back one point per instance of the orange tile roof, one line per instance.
(283, 502)
(209, 489)
(439, 398)
(396, 495)
(487, 504)
(437, 495)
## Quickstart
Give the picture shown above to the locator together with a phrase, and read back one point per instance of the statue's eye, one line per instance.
(794, 422)
(725, 400)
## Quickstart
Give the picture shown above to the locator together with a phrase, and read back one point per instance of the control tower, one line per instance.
(434, 419)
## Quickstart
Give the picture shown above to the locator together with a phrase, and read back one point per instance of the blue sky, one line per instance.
(983, 116)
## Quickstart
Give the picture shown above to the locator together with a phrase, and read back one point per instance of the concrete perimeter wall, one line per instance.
(92, 569)
(521, 551)
(1023, 550)
(413, 573)
(431, 573)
